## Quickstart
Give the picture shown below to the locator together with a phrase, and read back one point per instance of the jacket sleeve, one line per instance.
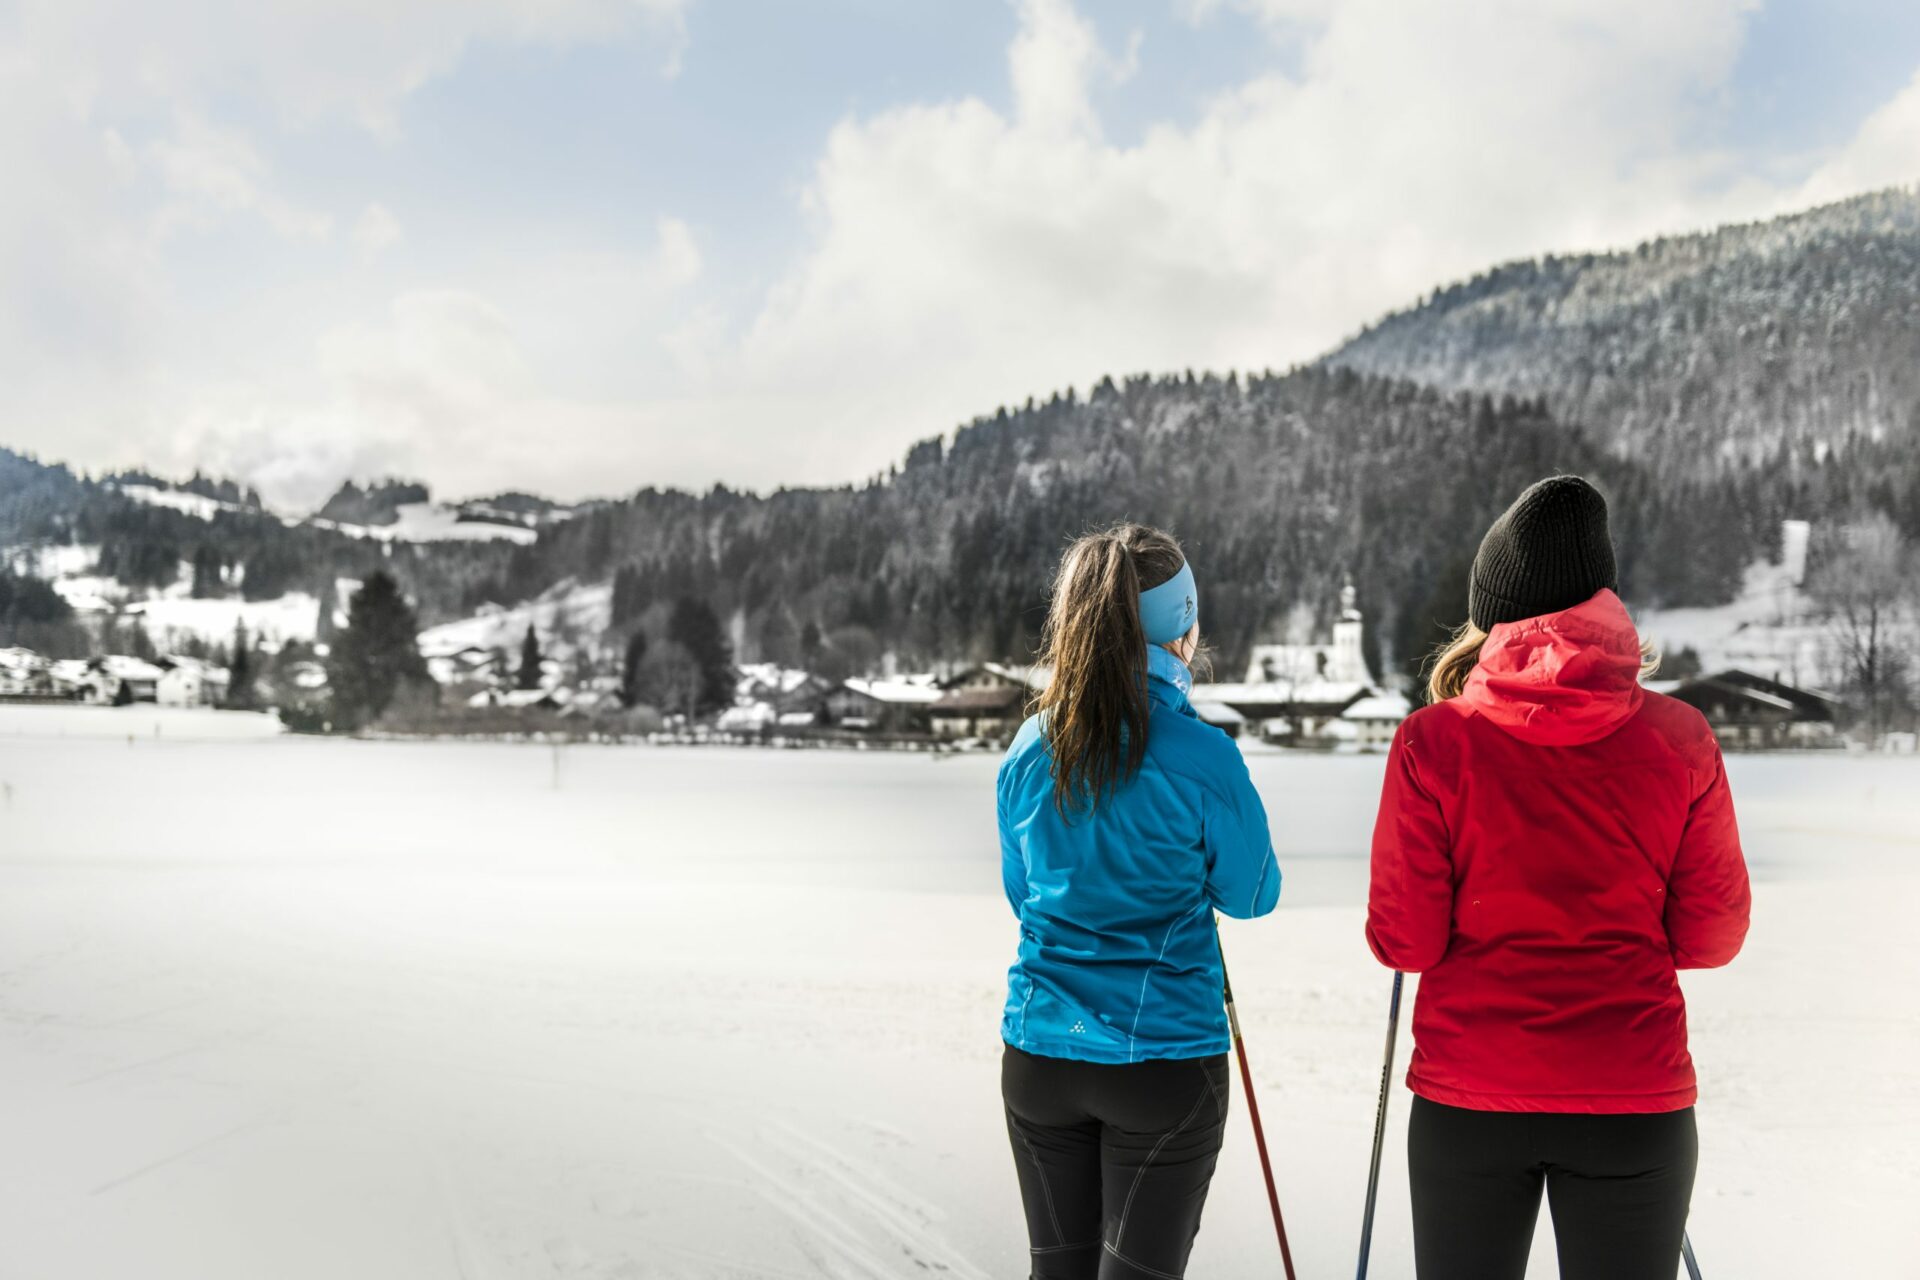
(1243, 876)
(1708, 897)
(1013, 863)
(1410, 898)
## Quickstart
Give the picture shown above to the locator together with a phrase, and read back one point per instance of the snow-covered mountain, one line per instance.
(1800, 332)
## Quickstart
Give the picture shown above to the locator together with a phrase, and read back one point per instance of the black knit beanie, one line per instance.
(1548, 552)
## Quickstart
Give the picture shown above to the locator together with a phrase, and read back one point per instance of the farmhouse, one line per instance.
(885, 706)
(1754, 712)
(986, 701)
(190, 682)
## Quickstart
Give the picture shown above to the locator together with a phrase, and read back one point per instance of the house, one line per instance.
(985, 701)
(1296, 714)
(785, 689)
(899, 705)
(24, 674)
(747, 717)
(191, 682)
(1375, 719)
(1754, 712)
(118, 679)
(71, 678)
(469, 663)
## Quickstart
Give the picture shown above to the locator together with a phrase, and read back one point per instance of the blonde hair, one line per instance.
(1454, 661)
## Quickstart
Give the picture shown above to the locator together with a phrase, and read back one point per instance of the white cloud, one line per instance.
(375, 230)
(210, 171)
(965, 258)
(958, 255)
(1884, 152)
(315, 59)
(444, 385)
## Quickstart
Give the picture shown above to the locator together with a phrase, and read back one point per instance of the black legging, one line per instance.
(1617, 1185)
(1114, 1160)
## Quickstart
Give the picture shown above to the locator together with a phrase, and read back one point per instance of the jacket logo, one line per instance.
(1077, 1029)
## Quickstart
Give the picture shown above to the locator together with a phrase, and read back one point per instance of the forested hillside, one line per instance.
(1280, 486)
(1693, 350)
(1714, 384)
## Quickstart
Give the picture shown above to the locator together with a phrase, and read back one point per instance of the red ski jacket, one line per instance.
(1553, 845)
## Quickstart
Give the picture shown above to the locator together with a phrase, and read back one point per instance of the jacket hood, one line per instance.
(1560, 679)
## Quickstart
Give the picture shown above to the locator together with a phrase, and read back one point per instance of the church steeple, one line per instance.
(1349, 658)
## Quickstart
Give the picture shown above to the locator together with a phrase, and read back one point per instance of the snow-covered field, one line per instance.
(314, 1008)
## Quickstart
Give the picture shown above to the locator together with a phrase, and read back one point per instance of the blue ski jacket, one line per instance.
(1118, 960)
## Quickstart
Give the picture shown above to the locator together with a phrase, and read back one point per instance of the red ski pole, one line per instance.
(1253, 1110)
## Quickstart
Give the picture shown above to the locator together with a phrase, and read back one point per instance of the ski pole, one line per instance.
(1380, 1125)
(1686, 1255)
(1253, 1108)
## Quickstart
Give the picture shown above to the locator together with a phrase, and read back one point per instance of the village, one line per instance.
(1314, 696)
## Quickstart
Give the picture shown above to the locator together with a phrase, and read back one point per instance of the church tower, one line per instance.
(1349, 659)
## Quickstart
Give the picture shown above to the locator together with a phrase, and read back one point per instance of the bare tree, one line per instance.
(1864, 580)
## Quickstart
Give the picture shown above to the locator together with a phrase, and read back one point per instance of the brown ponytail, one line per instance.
(1095, 705)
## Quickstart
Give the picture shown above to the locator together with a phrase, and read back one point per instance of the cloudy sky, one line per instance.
(583, 246)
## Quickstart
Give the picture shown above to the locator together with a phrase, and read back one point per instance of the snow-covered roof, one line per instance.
(17, 658)
(1034, 677)
(122, 667)
(754, 715)
(1218, 713)
(1391, 707)
(1311, 693)
(770, 676)
(896, 690)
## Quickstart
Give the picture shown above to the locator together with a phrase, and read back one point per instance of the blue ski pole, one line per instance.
(1686, 1255)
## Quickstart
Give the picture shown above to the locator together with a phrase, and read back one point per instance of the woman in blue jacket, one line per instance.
(1125, 823)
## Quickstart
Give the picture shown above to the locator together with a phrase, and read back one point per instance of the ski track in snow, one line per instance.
(405, 1010)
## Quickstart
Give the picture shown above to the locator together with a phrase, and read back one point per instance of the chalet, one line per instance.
(899, 705)
(118, 679)
(1755, 713)
(191, 682)
(785, 689)
(1375, 719)
(24, 674)
(986, 701)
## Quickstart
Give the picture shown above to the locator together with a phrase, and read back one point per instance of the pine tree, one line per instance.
(695, 628)
(376, 655)
(528, 676)
(240, 669)
(636, 654)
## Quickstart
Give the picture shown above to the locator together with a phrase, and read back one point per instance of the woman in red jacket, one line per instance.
(1554, 842)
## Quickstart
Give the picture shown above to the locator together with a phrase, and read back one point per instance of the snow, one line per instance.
(288, 617)
(192, 504)
(433, 522)
(908, 689)
(566, 615)
(1771, 628)
(317, 1007)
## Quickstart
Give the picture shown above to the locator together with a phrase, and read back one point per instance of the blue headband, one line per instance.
(1169, 610)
